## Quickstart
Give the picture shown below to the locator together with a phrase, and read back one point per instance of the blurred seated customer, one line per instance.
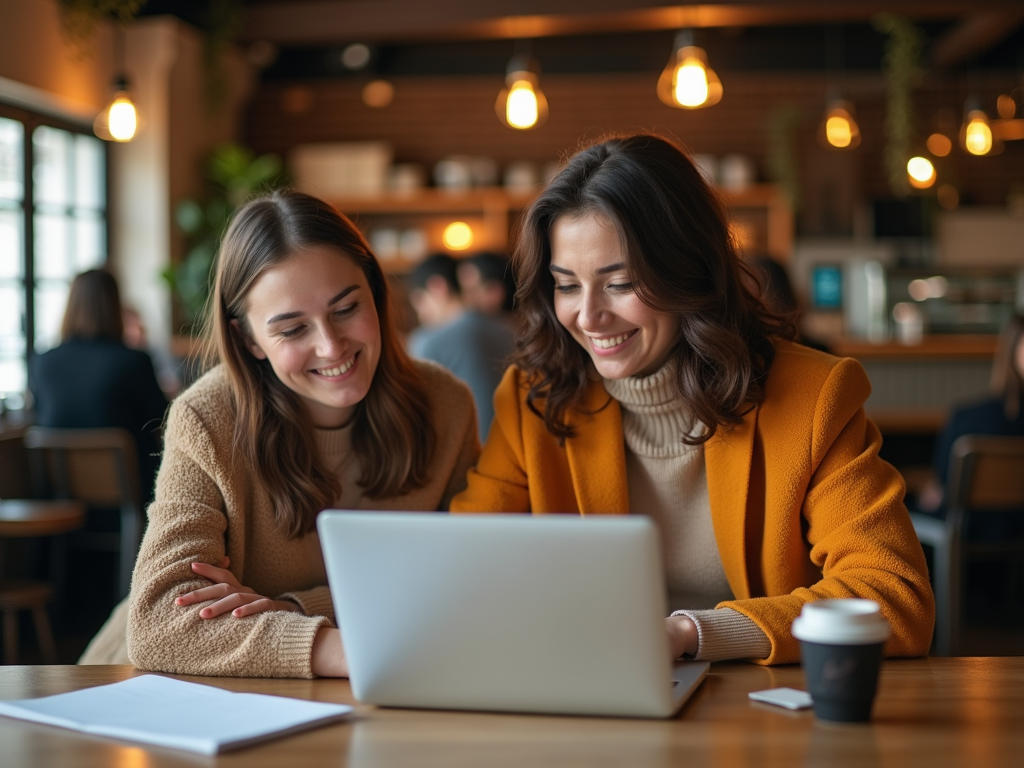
(93, 379)
(487, 284)
(1000, 414)
(468, 342)
(135, 336)
(778, 295)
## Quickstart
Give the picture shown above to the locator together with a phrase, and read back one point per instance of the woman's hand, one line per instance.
(682, 635)
(229, 594)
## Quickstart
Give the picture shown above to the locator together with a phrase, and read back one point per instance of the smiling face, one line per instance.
(596, 302)
(313, 317)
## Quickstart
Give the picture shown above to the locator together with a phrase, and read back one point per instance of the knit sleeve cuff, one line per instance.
(295, 646)
(313, 602)
(723, 633)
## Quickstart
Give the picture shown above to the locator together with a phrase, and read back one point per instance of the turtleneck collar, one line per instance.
(654, 416)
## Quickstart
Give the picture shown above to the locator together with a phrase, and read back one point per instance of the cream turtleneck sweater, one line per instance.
(667, 482)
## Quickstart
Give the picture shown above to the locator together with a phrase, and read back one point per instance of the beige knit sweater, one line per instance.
(207, 506)
(667, 482)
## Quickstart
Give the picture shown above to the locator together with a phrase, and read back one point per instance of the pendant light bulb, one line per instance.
(920, 172)
(521, 103)
(119, 121)
(839, 129)
(976, 133)
(687, 82)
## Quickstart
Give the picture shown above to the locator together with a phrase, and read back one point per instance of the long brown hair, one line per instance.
(1006, 376)
(94, 308)
(681, 259)
(274, 435)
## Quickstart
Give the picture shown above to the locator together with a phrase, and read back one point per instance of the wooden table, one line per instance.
(937, 712)
(32, 517)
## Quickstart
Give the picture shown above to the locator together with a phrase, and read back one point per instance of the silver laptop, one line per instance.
(514, 613)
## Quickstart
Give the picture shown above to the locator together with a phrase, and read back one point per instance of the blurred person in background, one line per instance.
(136, 337)
(487, 283)
(999, 413)
(93, 379)
(467, 341)
(776, 290)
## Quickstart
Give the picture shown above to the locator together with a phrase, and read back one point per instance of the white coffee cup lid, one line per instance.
(848, 621)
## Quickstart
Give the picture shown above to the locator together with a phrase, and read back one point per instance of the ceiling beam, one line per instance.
(311, 22)
(974, 35)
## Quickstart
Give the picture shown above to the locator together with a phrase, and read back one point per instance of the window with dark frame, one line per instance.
(53, 225)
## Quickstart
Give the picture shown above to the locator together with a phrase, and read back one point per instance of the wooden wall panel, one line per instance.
(431, 118)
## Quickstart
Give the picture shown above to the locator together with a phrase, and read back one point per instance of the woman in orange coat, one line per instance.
(650, 379)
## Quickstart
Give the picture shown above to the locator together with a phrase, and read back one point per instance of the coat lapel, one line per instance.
(727, 458)
(597, 456)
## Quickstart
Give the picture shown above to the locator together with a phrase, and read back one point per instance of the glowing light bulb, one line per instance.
(687, 82)
(921, 172)
(977, 133)
(839, 130)
(458, 236)
(521, 108)
(122, 119)
(691, 82)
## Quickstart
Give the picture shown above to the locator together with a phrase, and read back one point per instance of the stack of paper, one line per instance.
(172, 713)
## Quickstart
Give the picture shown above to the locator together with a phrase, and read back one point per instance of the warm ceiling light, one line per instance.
(378, 93)
(521, 104)
(687, 82)
(1006, 106)
(119, 121)
(839, 129)
(458, 236)
(976, 133)
(920, 172)
(939, 144)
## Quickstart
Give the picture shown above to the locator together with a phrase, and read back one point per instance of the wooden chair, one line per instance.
(100, 468)
(986, 476)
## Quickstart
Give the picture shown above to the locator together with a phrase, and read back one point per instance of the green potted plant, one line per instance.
(234, 174)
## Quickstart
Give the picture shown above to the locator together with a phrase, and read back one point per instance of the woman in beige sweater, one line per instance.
(314, 404)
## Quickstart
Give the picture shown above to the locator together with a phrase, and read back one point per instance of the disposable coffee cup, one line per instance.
(841, 650)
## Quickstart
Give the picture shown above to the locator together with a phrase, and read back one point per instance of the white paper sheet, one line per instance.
(173, 713)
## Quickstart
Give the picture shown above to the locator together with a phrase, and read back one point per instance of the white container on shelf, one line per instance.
(341, 169)
(413, 244)
(385, 243)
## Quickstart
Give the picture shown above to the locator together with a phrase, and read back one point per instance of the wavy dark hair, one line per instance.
(681, 259)
(274, 435)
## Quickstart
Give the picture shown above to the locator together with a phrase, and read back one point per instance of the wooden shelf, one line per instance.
(761, 218)
(966, 346)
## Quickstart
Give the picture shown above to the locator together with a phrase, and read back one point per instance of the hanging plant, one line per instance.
(782, 164)
(901, 65)
(79, 18)
(234, 174)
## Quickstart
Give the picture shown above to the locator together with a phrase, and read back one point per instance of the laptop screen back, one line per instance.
(502, 612)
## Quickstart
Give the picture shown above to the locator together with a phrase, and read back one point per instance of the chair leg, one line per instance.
(46, 644)
(58, 575)
(10, 637)
(944, 616)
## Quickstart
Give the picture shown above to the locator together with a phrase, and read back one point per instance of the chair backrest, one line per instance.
(987, 473)
(15, 472)
(97, 466)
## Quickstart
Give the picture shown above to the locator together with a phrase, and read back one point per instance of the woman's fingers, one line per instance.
(256, 606)
(212, 592)
(230, 603)
(213, 573)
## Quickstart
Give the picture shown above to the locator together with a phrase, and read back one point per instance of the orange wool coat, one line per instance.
(802, 506)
